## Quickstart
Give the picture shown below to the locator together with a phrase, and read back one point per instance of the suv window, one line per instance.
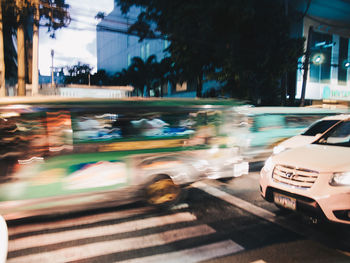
(319, 127)
(339, 135)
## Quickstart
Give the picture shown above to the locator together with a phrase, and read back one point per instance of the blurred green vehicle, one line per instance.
(62, 155)
(264, 127)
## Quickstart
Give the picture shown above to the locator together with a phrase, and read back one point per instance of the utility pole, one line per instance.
(35, 69)
(2, 60)
(21, 71)
(306, 67)
(52, 76)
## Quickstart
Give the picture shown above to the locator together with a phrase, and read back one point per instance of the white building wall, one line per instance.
(114, 48)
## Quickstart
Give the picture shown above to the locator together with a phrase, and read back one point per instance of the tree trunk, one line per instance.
(35, 57)
(21, 70)
(2, 59)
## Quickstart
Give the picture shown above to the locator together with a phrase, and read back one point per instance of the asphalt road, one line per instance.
(218, 222)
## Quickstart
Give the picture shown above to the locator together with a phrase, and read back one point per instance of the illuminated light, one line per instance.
(61, 148)
(9, 114)
(107, 115)
(318, 59)
(18, 106)
(31, 160)
(347, 64)
(319, 44)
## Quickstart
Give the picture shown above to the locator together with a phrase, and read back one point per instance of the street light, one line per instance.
(318, 59)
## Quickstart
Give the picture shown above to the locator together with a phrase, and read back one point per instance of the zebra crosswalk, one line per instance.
(139, 234)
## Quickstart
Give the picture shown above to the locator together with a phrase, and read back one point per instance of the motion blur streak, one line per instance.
(31, 160)
(61, 148)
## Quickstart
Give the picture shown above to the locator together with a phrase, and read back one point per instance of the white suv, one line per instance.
(313, 132)
(315, 178)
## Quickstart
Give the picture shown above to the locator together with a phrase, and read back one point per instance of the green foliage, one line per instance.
(244, 44)
(140, 74)
(78, 74)
(54, 14)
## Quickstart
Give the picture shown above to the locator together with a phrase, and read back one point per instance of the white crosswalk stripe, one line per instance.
(111, 234)
(101, 248)
(71, 222)
(196, 254)
(49, 239)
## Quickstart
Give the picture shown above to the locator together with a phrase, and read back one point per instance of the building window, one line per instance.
(181, 87)
(343, 60)
(143, 51)
(148, 50)
(129, 60)
(166, 44)
(320, 57)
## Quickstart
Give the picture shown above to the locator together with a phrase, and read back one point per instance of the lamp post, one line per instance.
(52, 77)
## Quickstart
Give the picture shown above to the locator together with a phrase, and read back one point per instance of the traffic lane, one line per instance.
(332, 235)
(203, 228)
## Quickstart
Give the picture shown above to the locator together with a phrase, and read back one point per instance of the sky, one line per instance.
(77, 42)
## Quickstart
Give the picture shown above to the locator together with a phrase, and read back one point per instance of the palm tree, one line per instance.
(143, 72)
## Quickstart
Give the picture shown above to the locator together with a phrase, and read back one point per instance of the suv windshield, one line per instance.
(339, 135)
(319, 127)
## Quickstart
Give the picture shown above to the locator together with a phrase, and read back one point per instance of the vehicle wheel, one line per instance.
(162, 192)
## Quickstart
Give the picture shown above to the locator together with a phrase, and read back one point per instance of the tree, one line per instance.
(17, 14)
(78, 74)
(141, 73)
(244, 44)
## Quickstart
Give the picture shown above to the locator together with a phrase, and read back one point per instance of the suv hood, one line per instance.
(321, 158)
(297, 141)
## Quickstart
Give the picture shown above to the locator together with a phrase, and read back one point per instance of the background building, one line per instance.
(327, 24)
(116, 48)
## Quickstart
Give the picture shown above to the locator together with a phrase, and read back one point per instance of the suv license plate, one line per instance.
(285, 201)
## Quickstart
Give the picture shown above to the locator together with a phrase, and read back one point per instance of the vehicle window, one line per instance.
(319, 127)
(22, 137)
(107, 126)
(339, 135)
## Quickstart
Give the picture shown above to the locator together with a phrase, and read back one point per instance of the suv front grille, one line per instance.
(297, 177)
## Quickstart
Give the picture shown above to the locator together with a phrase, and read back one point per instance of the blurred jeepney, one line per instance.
(264, 127)
(68, 154)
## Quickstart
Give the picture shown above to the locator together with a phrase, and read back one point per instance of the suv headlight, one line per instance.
(340, 179)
